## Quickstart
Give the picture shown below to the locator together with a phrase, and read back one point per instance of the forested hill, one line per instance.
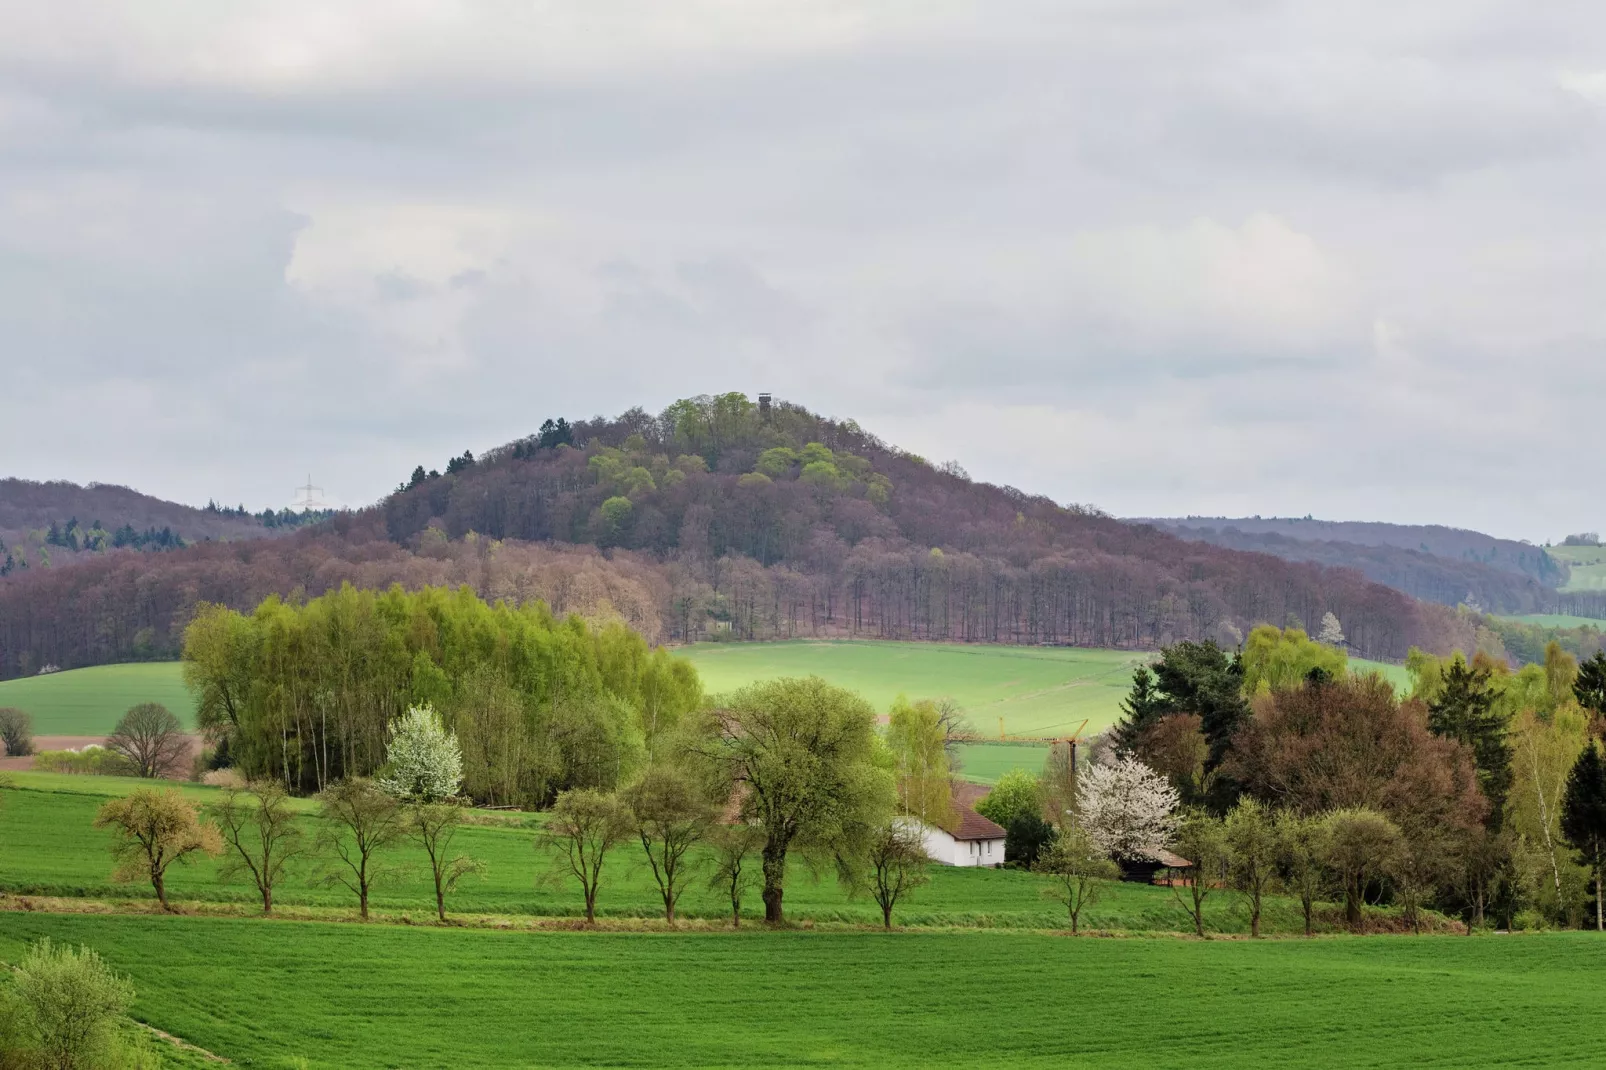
(1447, 544)
(48, 525)
(1447, 580)
(784, 522)
(721, 518)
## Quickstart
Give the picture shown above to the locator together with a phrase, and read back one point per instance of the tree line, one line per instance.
(304, 693)
(1462, 797)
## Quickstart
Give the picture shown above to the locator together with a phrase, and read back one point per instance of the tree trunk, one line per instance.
(267, 900)
(1254, 921)
(886, 916)
(159, 882)
(1074, 913)
(440, 900)
(1310, 928)
(774, 882)
(591, 904)
(362, 899)
(1600, 926)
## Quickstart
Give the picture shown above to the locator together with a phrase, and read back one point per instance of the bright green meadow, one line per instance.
(88, 702)
(1560, 620)
(1588, 564)
(356, 997)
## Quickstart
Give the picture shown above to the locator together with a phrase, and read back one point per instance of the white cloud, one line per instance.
(1164, 256)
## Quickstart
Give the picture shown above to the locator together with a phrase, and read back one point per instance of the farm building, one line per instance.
(1141, 869)
(973, 841)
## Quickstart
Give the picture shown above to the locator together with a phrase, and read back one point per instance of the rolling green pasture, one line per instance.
(1588, 565)
(48, 847)
(1560, 620)
(1036, 690)
(88, 702)
(356, 997)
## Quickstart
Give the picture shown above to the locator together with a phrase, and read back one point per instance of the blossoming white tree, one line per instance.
(423, 761)
(1332, 632)
(1126, 808)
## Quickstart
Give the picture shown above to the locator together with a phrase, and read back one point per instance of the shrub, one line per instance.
(16, 732)
(71, 1001)
(223, 778)
(90, 761)
(1025, 838)
(1017, 792)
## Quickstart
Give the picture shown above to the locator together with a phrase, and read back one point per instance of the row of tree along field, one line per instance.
(1470, 771)
(719, 519)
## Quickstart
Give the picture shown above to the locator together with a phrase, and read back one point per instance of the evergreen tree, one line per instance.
(1464, 711)
(1142, 706)
(1583, 817)
(1590, 687)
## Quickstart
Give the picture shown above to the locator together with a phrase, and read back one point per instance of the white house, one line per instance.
(974, 841)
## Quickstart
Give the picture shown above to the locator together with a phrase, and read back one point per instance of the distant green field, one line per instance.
(1035, 690)
(351, 997)
(1560, 620)
(984, 763)
(88, 702)
(1588, 565)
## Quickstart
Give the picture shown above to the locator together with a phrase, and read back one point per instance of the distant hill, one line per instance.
(48, 525)
(1450, 544)
(721, 518)
(1447, 581)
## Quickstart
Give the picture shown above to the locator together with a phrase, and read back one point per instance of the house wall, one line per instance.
(951, 852)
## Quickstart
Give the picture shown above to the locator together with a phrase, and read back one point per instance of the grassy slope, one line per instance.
(88, 702)
(1588, 565)
(48, 847)
(354, 997)
(1036, 690)
(1560, 620)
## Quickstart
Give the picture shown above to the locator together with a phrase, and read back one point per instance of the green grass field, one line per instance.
(1588, 565)
(1035, 690)
(49, 847)
(1560, 620)
(355, 997)
(88, 702)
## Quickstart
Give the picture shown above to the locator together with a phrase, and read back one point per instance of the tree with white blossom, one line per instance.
(1126, 808)
(1332, 632)
(423, 761)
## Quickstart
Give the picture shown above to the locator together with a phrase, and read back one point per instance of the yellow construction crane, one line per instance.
(1070, 740)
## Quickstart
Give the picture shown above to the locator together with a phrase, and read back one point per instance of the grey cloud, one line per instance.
(1165, 256)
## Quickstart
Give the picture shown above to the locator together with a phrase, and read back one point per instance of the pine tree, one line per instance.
(1583, 817)
(1464, 711)
(1590, 687)
(1142, 706)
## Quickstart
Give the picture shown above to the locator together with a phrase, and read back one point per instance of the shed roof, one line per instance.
(1162, 857)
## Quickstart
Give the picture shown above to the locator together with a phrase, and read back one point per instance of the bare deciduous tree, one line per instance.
(1079, 871)
(896, 864)
(16, 732)
(585, 825)
(151, 739)
(735, 864)
(433, 826)
(359, 821)
(262, 832)
(670, 816)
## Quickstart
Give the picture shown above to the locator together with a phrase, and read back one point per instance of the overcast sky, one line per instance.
(1162, 256)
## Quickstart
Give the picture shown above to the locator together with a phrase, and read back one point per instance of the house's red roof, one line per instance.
(969, 825)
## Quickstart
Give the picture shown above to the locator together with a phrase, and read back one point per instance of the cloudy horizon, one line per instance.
(1162, 257)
